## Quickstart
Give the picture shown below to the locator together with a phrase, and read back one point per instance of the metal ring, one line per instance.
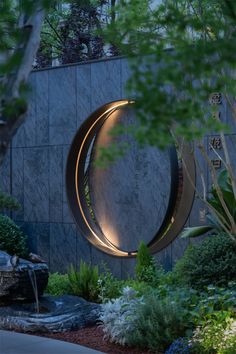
(180, 200)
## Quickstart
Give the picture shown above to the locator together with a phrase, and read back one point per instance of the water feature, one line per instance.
(23, 307)
(33, 280)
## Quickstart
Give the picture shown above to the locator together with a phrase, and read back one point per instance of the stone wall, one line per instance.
(34, 169)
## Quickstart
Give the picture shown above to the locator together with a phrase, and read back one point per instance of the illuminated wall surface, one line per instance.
(34, 172)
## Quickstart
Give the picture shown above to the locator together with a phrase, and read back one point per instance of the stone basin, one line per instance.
(60, 313)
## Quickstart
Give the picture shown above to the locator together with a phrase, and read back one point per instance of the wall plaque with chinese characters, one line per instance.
(216, 163)
(202, 215)
(216, 115)
(215, 98)
(215, 143)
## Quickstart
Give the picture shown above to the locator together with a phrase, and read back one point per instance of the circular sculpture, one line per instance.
(105, 207)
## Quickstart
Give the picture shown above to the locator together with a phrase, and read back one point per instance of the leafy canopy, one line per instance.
(180, 52)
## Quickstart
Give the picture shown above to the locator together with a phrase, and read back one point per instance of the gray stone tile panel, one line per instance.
(62, 105)
(106, 82)
(43, 241)
(42, 108)
(125, 75)
(128, 267)
(112, 263)
(5, 173)
(199, 209)
(56, 183)
(18, 180)
(62, 247)
(32, 239)
(164, 257)
(83, 248)
(83, 93)
(36, 184)
(178, 248)
(26, 135)
(38, 239)
(67, 216)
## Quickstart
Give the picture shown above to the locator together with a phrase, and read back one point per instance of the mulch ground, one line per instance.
(92, 337)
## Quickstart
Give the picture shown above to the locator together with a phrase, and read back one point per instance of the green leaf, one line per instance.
(196, 231)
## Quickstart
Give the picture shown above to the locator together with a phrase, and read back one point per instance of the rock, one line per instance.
(15, 282)
(58, 314)
(14, 260)
(35, 258)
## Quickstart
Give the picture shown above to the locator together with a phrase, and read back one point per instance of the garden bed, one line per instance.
(92, 337)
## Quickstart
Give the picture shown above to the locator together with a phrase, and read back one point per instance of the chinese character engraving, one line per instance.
(215, 143)
(216, 163)
(202, 215)
(216, 115)
(215, 98)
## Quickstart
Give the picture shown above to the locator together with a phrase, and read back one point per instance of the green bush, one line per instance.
(109, 287)
(8, 202)
(12, 239)
(145, 267)
(85, 282)
(141, 287)
(58, 284)
(213, 261)
(158, 323)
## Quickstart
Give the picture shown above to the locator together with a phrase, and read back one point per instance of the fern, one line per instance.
(85, 282)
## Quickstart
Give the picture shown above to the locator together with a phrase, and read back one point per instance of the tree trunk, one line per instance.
(28, 46)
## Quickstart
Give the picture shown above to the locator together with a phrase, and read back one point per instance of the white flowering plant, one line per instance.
(217, 335)
(118, 316)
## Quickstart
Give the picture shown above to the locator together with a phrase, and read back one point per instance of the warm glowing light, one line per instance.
(111, 246)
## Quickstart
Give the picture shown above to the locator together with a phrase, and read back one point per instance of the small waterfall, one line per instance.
(33, 280)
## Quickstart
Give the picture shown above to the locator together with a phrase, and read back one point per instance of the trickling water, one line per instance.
(33, 280)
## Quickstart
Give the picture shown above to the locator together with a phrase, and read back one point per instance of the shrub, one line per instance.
(147, 270)
(159, 323)
(213, 261)
(141, 287)
(145, 267)
(109, 287)
(58, 284)
(12, 239)
(85, 282)
(118, 316)
(8, 202)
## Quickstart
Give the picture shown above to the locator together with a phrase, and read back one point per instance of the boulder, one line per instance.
(57, 314)
(18, 277)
